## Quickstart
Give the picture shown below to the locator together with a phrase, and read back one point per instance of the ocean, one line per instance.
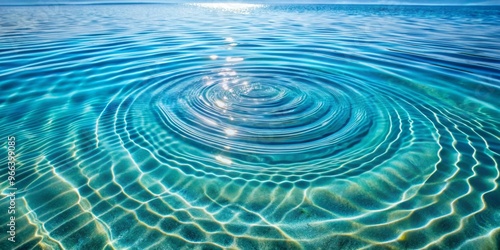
(249, 126)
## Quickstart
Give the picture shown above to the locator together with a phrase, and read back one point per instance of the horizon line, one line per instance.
(241, 2)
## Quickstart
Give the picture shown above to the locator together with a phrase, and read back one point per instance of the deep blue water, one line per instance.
(251, 126)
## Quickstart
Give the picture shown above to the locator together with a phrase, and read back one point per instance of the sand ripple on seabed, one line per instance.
(239, 150)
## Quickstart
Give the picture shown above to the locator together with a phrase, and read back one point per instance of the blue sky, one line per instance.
(425, 2)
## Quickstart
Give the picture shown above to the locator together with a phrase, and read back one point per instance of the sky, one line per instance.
(417, 2)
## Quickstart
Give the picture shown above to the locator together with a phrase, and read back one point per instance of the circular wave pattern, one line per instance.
(274, 112)
(217, 142)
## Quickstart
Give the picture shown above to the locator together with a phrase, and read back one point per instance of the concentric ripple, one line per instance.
(252, 126)
(264, 114)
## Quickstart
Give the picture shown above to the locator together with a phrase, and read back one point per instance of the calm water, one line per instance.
(251, 126)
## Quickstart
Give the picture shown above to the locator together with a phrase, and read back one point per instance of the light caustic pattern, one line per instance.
(252, 127)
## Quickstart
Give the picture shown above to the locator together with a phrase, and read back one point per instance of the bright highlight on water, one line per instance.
(251, 126)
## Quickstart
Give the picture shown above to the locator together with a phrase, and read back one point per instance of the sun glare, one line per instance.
(234, 7)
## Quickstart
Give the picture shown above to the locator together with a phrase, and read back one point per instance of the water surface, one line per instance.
(181, 126)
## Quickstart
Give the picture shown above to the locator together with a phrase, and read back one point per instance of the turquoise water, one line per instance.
(209, 126)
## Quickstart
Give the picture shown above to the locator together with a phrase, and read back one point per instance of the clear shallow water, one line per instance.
(252, 126)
